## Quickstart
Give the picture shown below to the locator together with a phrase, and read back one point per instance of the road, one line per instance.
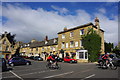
(79, 71)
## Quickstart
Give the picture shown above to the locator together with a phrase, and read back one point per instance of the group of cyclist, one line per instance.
(53, 59)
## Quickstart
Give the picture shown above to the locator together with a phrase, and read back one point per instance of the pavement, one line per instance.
(81, 71)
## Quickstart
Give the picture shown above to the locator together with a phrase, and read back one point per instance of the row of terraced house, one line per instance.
(69, 42)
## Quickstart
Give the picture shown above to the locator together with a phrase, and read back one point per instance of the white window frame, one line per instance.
(71, 45)
(84, 52)
(71, 34)
(63, 36)
(81, 32)
(63, 45)
(66, 45)
(76, 44)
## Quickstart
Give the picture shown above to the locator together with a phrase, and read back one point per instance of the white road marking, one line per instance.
(30, 73)
(16, 75)
(88, 77)
(59, 74)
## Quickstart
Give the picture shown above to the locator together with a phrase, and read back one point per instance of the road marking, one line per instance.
(30, 73)
(88, 77)
(16, 75)
(59, 74)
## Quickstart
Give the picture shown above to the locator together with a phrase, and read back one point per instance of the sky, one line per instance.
(35, 20)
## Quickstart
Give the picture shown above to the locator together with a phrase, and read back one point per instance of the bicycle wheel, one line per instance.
(113, 67)
(58, 66)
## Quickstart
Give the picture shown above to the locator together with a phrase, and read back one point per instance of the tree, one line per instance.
(108, 47)
(116, 50)
(92, 43)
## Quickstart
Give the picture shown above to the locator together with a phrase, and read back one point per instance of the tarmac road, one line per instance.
(79, 71)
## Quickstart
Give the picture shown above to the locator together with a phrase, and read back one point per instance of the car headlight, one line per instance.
(10, 62)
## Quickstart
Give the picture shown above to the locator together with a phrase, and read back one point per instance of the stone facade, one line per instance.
(69, 40)
(7, 45)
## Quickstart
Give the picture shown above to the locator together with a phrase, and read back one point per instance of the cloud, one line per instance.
(110, 27)
(102, 10)
(28, 23)
(61, 10)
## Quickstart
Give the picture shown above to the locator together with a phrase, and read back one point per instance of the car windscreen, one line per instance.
(16, 58)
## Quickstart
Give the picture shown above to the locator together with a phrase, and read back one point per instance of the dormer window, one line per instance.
(82, 32)
(63, 36)
(46, 42)
(28, 45)
(54, 40)
(4, 42)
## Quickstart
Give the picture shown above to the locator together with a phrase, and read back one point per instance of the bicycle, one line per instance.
(111, 64)
(53, 65)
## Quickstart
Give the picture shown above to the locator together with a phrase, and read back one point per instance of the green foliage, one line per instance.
(92, 43)
(108, 47)
(116, 50)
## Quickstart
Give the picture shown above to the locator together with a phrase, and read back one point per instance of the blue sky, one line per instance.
(90, 7)
(17, 17)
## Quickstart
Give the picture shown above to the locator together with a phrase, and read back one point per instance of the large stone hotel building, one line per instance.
(69, 42)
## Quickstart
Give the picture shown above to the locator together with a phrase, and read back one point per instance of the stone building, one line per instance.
(69, 41)
(40, 48)
(8, 45)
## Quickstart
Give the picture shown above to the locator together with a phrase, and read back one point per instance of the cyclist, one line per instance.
(106, 58)
(52, 59)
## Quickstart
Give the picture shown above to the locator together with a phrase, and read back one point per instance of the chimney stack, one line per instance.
(46, 38)
(65, 28)
(97, 23)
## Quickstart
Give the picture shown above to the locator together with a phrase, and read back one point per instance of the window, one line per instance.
(81, 55)
(82, 32)
(86, 55)
(66, 45)
(71, 34)
(4, 42)
(63, 44)
(7, 48)
(36, 49)
(76, 44)
(46, 42)
(81, 44)
(63, 36)
(0, 47)
(51, 48)
(54, 40)
(71, 44)
(42, 49)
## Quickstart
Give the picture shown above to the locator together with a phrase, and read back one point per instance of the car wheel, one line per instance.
(71, 62)
(11, 64)
(27, 63)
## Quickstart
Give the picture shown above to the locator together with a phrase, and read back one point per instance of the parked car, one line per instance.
(38, 58)
(114, 57)
(59, 59)
(18, 61)
(31, 57)
(69, 59)
(4, 66)
(26, 57)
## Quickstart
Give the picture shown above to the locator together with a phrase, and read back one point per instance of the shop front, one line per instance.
(82, 55)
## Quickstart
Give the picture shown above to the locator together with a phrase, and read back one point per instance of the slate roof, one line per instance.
(85, 25)
(41, 43)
